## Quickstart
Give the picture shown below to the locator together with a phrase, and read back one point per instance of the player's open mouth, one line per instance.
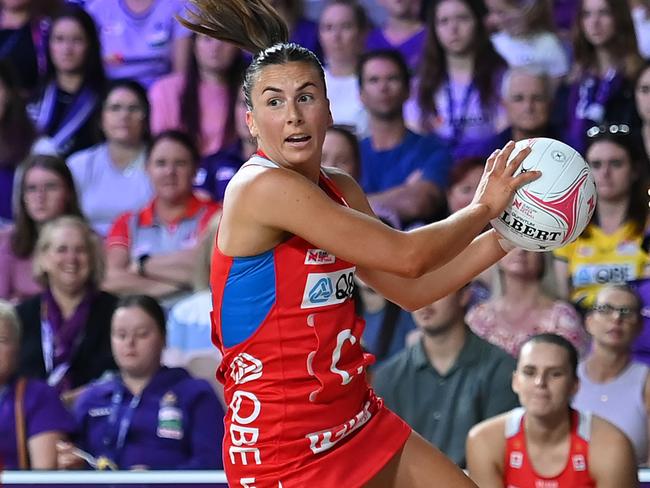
(298, 138)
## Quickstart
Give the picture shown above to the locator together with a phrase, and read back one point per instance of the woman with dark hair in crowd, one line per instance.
(343, 26)
(32, 418)
(341, 150)
(605, 63)
(201, 101)
(23, 33)
(117, 165)
(614, 247)
(46, 191)
(66, 338)
(291, 239)
(154, 248)
(156, 417)
(457, 94)
(73, 85)
(217, 170)
(16, 137)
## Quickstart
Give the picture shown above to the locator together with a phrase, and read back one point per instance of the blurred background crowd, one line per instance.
(120, 129)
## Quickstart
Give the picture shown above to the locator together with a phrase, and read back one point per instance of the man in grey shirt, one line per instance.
(449, 380)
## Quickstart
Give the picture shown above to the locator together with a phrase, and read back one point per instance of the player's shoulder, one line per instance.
(604, 434)
(490, 431)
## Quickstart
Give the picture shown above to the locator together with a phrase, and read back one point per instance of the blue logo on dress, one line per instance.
(321, 291)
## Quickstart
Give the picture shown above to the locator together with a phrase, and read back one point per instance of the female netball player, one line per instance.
(291, 239)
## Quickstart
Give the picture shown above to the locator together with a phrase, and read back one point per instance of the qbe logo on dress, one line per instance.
(323, 289)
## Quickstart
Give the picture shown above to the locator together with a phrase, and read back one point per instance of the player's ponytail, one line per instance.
(252, 25)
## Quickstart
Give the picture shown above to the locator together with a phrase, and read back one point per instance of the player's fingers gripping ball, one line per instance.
(553, 210)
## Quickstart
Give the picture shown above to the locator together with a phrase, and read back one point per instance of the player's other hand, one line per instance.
(498, 185)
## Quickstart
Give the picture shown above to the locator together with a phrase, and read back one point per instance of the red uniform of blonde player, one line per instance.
(545, 443)
(291, 238)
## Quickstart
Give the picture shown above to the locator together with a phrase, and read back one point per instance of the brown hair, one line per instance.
(25, 233)
(254, 26)
(433, 68)
(623, 45)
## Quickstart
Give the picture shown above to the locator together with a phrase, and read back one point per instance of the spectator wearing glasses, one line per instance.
(612, 384)
(612, 247)
(117, 165)
(606, 61)
(46, 191)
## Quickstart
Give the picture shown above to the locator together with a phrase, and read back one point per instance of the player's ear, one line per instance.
(250, 122)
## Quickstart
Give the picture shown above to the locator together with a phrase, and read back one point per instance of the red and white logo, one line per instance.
(318, 256)
(245, 368)
(579, 463)
(516, 459)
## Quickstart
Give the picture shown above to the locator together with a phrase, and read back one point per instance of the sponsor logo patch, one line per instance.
(323, 289)
(318, 256)
(245, 368)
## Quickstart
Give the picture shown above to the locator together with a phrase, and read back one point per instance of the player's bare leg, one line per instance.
(420, 465)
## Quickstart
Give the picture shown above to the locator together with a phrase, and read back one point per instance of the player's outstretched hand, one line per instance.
(498, 185)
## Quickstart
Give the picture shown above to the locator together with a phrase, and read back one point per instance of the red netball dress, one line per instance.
(519, 471)
(301, 411)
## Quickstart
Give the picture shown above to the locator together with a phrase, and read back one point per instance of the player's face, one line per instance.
(454, 26)
(442, 315)
(543, 379)
(8, 350)
(527, 102)
(612, 170)
(461, 194)
(68, 45)
(642, 95)
(338, 153)
(171, 170)
(339, 33)
(614, 322)
(597, 22)
(522, 264)
(383, 92)
(290, 114)
(136, 341)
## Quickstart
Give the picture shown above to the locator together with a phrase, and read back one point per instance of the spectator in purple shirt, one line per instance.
(457, 87)
(27, 439)
(403, 31)
(606, 61)
(148, 416)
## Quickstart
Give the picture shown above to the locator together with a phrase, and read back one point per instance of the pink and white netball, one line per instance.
(553, 210)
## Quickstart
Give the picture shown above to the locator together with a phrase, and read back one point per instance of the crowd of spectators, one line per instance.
(119, 132)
